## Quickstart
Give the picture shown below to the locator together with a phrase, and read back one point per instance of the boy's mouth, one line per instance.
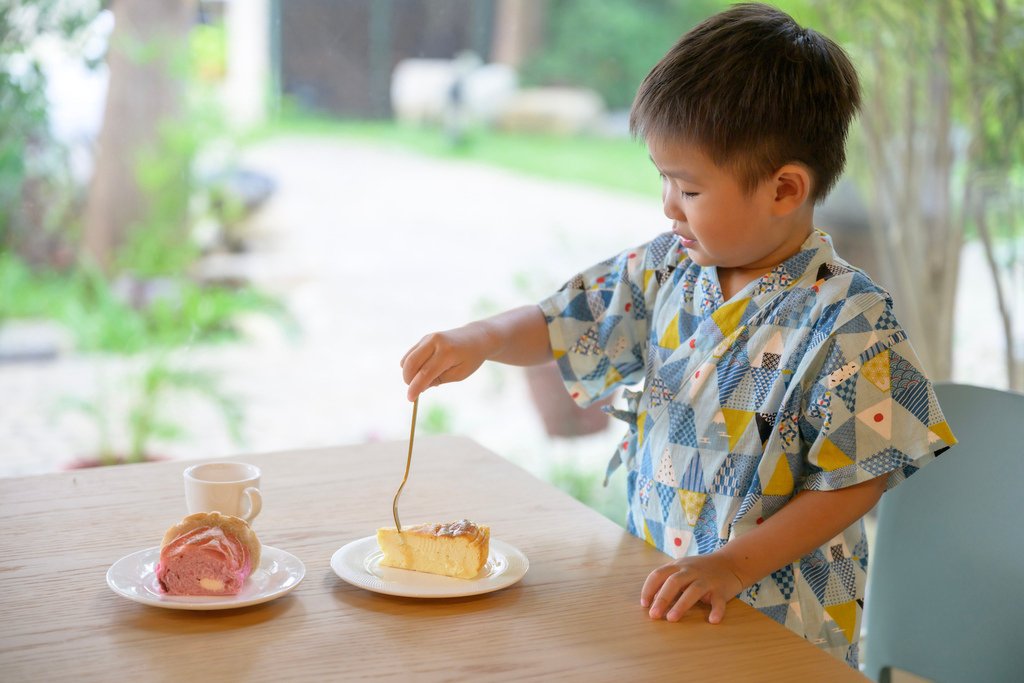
(687, 242)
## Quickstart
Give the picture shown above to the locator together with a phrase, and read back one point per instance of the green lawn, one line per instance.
(617, 164)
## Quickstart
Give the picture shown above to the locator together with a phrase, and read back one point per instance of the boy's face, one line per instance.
(718, 223)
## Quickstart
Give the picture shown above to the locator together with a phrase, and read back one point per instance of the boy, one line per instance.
(780, 395)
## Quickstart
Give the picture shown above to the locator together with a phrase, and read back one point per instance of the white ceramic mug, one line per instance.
(231, 488)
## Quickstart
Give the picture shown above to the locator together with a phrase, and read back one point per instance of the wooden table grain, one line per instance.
(574, 616)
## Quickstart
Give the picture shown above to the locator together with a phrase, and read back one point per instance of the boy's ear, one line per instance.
(792, 188)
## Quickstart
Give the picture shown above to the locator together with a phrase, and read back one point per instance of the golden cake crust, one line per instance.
(458, 549)
(462, 528)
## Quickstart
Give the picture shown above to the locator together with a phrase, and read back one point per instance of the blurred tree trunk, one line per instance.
(927, 69)
(907, 123)
(518, 30)
(995, 41)
(143, 92)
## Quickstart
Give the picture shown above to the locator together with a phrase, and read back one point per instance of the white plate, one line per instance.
(134, 577)
(359, 563)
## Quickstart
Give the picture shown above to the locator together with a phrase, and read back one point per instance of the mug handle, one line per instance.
(255, 503)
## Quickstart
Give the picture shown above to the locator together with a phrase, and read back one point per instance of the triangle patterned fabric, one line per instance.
(804, 380)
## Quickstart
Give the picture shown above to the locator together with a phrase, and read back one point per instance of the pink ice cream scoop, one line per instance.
(203, 561)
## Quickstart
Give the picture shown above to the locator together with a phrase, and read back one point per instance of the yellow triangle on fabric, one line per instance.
(670, 337)
(611, 377)
(648, 274)
(845, 615)
(728, 317)
(558, 353)
(736, 422)
(692, 503)
(942, 430)
(647, 535)
(724, 345)
(831, 457)
(877, 371)
(781, 483)
(641, 420)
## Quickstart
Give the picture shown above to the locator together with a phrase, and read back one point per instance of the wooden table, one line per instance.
(574, 616)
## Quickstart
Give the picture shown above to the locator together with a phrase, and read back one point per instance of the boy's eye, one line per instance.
(690, 195)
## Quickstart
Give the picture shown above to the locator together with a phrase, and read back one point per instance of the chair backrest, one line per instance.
(945, 595)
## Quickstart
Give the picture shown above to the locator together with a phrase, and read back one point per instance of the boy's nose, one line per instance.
(673, 207)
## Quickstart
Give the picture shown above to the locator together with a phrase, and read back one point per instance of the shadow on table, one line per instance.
(167, 621)
(393, 605)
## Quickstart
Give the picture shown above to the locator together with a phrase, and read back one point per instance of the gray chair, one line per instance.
(945, 597)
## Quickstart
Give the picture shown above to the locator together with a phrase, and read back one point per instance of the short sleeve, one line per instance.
(598, 321)
(870, 410)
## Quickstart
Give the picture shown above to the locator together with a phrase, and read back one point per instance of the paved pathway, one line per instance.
(371, 249)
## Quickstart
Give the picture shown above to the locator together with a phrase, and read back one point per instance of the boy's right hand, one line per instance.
(516, 337)
(442, 357)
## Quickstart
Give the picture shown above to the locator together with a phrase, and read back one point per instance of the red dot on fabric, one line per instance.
(760, 519)
(633, 255)
(575, 394)
(693, 343)
(600, 279)
(625, 444)
(678, 541)
(628, 306)
(697, 374)
(879, 417)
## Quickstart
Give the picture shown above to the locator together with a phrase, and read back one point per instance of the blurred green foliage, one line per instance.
(437, 419)
(893, 47)
(22, 118)
(209, 51)
(586, 485)
(95, 307)
(160, 244)
(102, 319)
(159, 380)
(27, 150)
(151, 308)
(610, 45)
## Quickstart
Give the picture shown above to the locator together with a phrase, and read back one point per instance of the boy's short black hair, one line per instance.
(754, 91)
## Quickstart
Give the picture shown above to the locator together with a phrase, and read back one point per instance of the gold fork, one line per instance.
(408, 463)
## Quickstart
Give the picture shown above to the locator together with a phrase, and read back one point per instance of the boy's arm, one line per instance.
(515, 337)
(807, 522)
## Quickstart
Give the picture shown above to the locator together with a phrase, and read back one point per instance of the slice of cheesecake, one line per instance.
(456, 549)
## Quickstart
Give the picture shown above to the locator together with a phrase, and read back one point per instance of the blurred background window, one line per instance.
(222, 222)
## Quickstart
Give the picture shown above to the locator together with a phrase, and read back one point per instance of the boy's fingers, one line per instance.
(418, 346)
(414, 391)
(690, 597)
(674, 584)
(415, 362)
(455, 373)
(653, 584)
(420, 383)
(437, 369)
(717, 609)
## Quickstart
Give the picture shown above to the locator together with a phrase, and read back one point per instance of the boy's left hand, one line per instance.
(673, 588)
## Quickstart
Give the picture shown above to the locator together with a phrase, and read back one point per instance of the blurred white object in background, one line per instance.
(423, 90)
(76, 93)
(248, 61)
(560, 111)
